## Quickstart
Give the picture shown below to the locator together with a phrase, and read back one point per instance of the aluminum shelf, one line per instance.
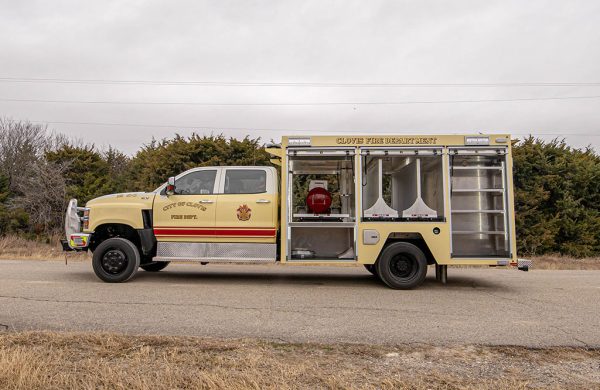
(478, 211)
(477, 168)
(478, 190)
(478, 232)
(321, 216)
(322, 224)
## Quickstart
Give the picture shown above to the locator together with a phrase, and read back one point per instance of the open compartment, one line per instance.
(321, 204)
(330, 176)
(323, 242)
(402, 185)
(478, 203)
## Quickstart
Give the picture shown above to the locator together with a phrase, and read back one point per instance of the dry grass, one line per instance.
(14, 247)
(43, 360)
(559, 262)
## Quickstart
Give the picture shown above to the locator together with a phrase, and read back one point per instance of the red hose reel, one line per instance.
(318, 200)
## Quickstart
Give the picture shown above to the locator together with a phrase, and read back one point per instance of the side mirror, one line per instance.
(170, 186)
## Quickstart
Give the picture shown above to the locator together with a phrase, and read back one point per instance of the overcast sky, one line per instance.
(349, 43)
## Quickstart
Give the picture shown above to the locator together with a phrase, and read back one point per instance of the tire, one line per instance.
(402, 266)
(154, 266)
(116, 260)
(371, 268)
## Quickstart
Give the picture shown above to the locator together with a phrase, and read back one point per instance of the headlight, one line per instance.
(86, 218)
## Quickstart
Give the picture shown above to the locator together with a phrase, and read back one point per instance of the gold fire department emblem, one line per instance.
(244, 212)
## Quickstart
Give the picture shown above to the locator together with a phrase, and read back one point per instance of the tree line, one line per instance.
(557, 188)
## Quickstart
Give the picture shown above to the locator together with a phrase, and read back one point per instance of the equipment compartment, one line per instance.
(321, 204)
(327, 241)
(334, 173)
(402, 185)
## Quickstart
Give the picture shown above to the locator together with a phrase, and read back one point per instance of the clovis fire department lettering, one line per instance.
(386, 140)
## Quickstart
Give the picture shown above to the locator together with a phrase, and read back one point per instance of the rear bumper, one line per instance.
(524, 264)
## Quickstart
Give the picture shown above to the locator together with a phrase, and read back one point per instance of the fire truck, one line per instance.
(393, 204)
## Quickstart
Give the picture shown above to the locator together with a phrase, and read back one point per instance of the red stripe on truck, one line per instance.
(184, 232)
(195, 232)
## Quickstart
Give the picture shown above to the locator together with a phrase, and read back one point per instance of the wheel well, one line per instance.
(111, 230)
(413, 238)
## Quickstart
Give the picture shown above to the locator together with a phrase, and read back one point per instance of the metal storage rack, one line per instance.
(478, 203)
(414, 185)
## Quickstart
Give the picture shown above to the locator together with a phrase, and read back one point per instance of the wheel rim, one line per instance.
(114, 261)
(404, 266)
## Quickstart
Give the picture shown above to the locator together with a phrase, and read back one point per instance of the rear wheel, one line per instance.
(154, 266)
(402, 266)
(116, 260)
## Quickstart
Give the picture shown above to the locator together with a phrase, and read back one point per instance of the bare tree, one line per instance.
(43, 194)
(20, 144)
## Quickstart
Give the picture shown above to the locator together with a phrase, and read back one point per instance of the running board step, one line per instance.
(216, 252)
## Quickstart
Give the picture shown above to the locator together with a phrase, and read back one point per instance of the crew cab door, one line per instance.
(189, 214)
(247, 208)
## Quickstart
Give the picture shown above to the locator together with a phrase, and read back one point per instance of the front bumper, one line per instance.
(74, 224)
(76, 242)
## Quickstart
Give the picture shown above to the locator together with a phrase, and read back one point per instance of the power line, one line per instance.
(293, 84)
(297, 104)
(290, 131)
(169, 126)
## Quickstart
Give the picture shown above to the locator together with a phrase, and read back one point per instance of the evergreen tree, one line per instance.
(86, 171)
(159, 160)
(557, 198)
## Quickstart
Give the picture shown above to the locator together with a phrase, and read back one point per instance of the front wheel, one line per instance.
(116, 260)
(402, 266)
(154, 266)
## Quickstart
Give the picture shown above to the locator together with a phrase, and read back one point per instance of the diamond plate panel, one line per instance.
(213, 251)
(522, 263)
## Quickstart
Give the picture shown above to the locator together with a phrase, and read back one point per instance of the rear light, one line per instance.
(477, 140)
(299, 141)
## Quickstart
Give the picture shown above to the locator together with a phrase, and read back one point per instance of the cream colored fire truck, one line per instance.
(394, 204)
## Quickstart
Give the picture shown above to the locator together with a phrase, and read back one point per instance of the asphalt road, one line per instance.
(320, 304)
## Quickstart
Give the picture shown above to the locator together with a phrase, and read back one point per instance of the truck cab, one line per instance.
(205, 214)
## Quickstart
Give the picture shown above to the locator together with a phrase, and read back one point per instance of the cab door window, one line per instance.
(245, 181)
(196, 183)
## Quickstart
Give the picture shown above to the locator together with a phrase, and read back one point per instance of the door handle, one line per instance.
(206, 201)
(263, 201)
